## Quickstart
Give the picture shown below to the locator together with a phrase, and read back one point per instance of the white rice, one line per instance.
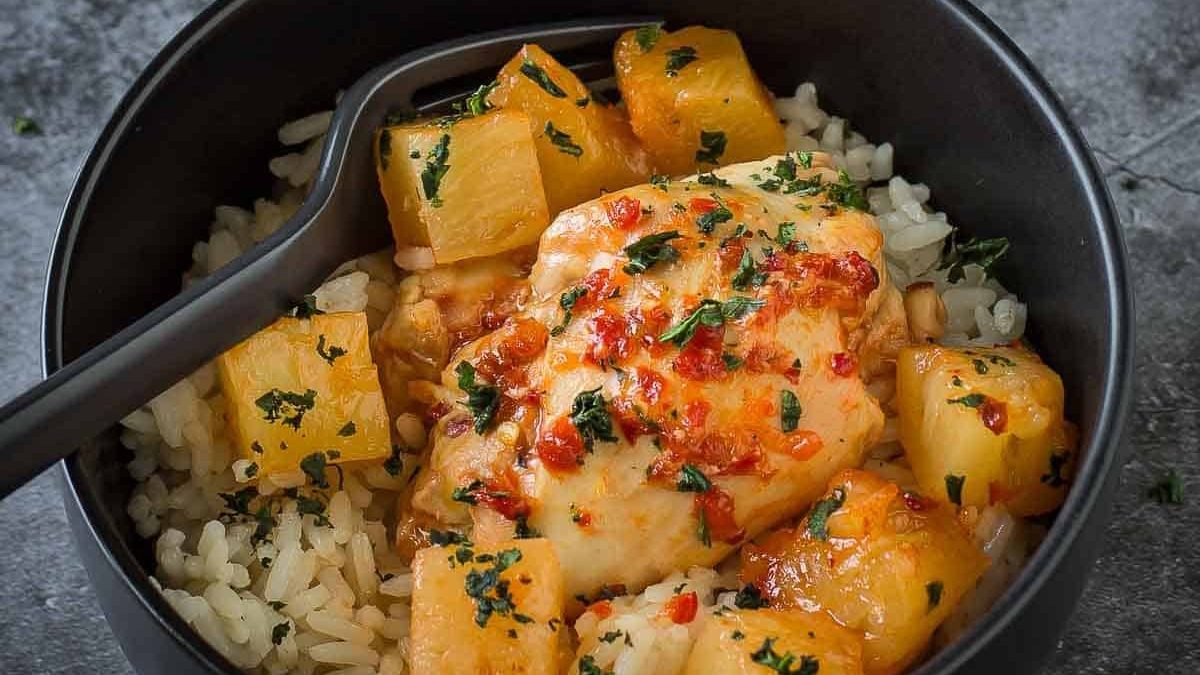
(332, 597)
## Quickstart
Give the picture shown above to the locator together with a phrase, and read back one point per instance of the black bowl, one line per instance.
(966, 111)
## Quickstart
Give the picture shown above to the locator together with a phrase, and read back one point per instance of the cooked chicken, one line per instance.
(686, 375)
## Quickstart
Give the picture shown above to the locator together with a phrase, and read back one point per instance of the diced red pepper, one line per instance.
(560, 447)
(682, 608)
(624, 212)
(716, 505)
(994, 414)
(843, 364)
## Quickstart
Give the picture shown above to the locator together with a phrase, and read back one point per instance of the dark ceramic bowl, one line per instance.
(966, 111)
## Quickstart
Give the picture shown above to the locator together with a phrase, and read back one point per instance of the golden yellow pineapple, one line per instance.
(464, 187)
(585, 147)
(305, 386)
(487, 610)
(985, 426)
(693, 99)
(892, 565)
(742, 642)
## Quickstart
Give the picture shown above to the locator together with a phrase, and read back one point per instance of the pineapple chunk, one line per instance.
(584, 147)
(304, 386)
(496, 610)
(888, 564)
(463, 187)
(985, 424)
(694, 100)
(735, 643)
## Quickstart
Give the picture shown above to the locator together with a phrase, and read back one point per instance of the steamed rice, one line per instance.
(307, 596)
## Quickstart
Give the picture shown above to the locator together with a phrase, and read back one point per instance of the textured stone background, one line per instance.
(1129, 71)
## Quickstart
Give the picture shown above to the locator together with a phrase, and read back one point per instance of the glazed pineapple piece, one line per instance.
(464, 187)
(892, 565)
(584, 146)
(747, 642)
(693, 99)
(496, 610)
(302, 388)
(985, 426)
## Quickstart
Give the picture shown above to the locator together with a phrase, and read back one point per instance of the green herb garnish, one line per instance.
(562, 141)
(846, 193)
(587, 666)
(306, 308)
(483, 400)
(648, 36)
(589, 414)
(707, 222)
(731, 361)
(789, 411)
(818, 518)
(969, 401)
(954, 488)
(982, 252)
(435, 170)
(477, 103)
(747, 275)
(711, 179)
(314, 466)
(749, 597)
(534, 72)
(659, 181)
(712, 146)
(279, 632)
(567, 302)
(933, 591)
(678, 58)
(650, 250)
(710, 313)
(348, 429)
(333, 353)
(785, 664)
(692, 479)
(286, 405)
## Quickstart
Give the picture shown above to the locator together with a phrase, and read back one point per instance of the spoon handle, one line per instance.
(48, 422)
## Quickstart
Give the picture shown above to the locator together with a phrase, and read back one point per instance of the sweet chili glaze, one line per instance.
(713, 403)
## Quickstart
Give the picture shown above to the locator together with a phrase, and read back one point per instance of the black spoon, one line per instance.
(338, 221)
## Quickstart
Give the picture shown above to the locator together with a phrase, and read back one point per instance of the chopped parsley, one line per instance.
(933, 591)
(749, 597)
(954, 487)
(1169, 490)
(348, 429)
(590, 416)
(981, 252)
(708, 221)
(446, 538)
(660, 181)
(678, 58)
(969, 401)
(395, 462)
(784, 664)
(523, 529)
(789, 411)
(256, 447)
(747, 275)
(587, 666)
(582, 102)
(692, 479)
(710, 313)
(576, 513)
(279, 632)
(306, 308)
(435, 170)
(314, 466)
(238, 502)
(24, 126)
(648, 36)
(287, 406)
(562, 141)
(251, 470)
(711, 179)
(846, 193)
(466, 495)
(611, 636)
(731, 361)
(483, 400)
(488, 590)
(737, 635)
(477, 103)
(712, 146)
(265, 522)
(567, 302)
(305, 505)
(702, 530)
(650, 250)
(331, 354)
(534, 72)
(786, 233)
(818, 518)
(1058, 462)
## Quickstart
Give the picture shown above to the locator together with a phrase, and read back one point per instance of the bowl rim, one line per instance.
(1091, 477)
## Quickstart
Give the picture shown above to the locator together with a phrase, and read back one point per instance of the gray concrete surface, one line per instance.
(1128, 70)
